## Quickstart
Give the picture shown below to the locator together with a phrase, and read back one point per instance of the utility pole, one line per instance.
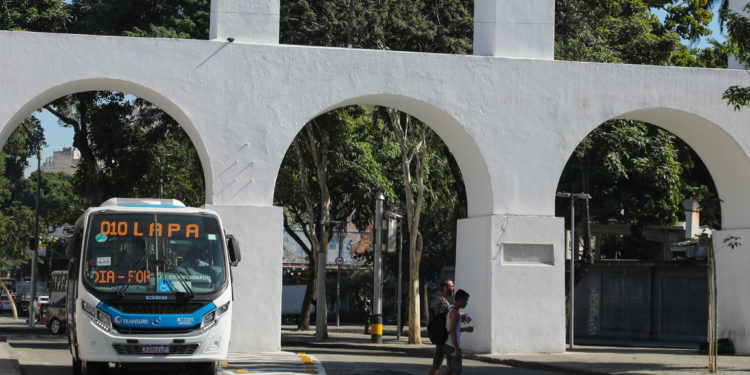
(35, 245)
(339, 263)
(377, 272)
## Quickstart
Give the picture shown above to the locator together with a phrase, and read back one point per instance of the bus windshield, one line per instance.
(154, 253)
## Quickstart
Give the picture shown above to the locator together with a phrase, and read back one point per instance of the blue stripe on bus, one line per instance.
(155, 321)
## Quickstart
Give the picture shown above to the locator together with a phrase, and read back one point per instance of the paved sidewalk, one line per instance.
(581, 360)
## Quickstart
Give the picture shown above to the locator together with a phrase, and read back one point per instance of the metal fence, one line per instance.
(643, 301)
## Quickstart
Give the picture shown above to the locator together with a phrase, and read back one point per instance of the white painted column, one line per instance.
(732, 284)
(513, 269)
(515, 28)
(737, 6)
(250, 21)
(256, 313)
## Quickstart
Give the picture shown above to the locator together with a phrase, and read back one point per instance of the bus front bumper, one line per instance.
(99, 345)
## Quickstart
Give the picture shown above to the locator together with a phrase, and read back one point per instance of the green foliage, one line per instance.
(444, 26)
(35, 15)
(738, 29)
(188, 19)
(631, 170)
(626, 31)
(611, 31)
(355, 167)
(714, 56)
(636, 172)
(129, 149)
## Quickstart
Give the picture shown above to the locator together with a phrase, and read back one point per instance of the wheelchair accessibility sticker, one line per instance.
(165, 286)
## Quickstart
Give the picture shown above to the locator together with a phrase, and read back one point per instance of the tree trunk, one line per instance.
(415, 335)
(80, 141)
(325, 217)
(418, 154)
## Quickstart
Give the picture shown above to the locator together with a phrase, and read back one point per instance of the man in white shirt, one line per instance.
(453, 325)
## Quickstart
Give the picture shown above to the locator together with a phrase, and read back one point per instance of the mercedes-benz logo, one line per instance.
(156, 321)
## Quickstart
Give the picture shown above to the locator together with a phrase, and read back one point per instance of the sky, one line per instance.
(58, 137)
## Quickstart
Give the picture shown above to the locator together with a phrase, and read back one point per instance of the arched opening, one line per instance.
(114, 85)
(364, 156)
(655, 177)
(116, 145)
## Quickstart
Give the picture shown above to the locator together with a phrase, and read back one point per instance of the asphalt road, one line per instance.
(40, 353)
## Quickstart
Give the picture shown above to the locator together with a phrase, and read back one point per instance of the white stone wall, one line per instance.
(515, 28)
(511, 123)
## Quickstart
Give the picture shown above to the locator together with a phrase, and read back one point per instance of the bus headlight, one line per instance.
(208, 320)
(224, 308)
(103, 320)
(87, 307)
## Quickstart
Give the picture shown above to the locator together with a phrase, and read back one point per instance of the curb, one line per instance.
(8, 365)
(428, 352)
(535, 365)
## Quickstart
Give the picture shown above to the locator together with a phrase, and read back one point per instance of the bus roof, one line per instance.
(143, 202)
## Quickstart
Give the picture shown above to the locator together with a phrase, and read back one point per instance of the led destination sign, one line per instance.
(121, 277)
(141, 229)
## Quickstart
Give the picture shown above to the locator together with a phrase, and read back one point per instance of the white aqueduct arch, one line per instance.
(109, 84)
(512, 120)
(469, 158)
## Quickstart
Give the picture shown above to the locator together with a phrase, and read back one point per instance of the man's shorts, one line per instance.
(454, 363)
(437, 360)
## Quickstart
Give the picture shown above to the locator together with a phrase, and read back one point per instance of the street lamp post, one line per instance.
(571, 277)
(573, 255)
(339, 264)
(394, 216)
(376, 331)
(35, 245)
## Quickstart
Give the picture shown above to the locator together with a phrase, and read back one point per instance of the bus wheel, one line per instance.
(94, 368)
(204, 368)
(76, 367)
(55, 326)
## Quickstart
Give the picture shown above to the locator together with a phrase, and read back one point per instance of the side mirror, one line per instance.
(234, 250)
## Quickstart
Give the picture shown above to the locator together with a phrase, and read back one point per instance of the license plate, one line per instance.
(155, 349)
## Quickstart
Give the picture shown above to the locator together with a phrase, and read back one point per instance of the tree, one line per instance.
(35, 15)
(627, 31)
(351, 146)
(17, 218)
(117, 136)
(738, 29)
(187, 19)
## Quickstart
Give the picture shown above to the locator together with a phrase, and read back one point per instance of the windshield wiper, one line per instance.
(180, 277)
(124, 288)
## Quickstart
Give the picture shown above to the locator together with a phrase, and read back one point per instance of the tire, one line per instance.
(94, 368)
(55, 326)
(204, 368)
(76, 367)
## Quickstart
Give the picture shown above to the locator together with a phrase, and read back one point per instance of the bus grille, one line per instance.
(154, 331)
(136, 349)
(156, 308)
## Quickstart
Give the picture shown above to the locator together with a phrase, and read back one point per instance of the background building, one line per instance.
(65, 160)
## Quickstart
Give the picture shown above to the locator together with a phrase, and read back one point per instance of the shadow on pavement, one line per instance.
(37, 345)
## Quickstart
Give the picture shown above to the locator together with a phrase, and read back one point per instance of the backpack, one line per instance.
(436, 328)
